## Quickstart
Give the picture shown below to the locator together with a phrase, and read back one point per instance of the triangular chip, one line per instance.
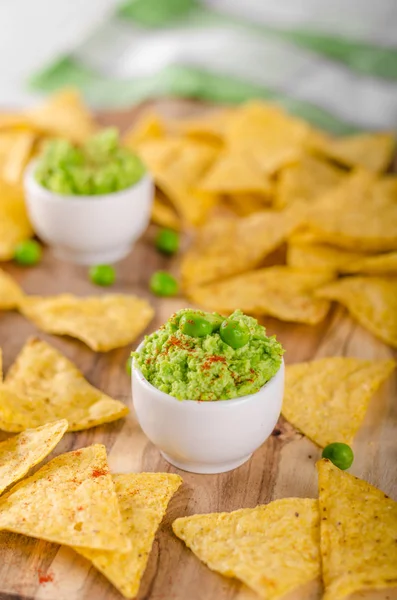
(372, 151)
(360, 215)
(163, 214)
(327, 399)
(235, 173)
(373, 265)
(149, 127)
(358, 535)
(15, 151)
(43, 385)
(102, 322)
(63, 115)
(228, 246)
(209, 127)
(305, 180)
(244, 205)
(71, 501)
(22, 452)
(274, 549)
(265, 131)
(10, 292)
(143, 500)
(281, 292)
(15, 226)
(372, 301)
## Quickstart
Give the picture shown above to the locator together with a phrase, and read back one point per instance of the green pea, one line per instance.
(28, 253)
(163, 284)
(103, 275)
(234, 333)
(340, 454)
(195, 325)
(128, 365)
(167, 241)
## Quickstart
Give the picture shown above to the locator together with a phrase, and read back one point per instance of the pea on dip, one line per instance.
(100, 166)
(204, 356)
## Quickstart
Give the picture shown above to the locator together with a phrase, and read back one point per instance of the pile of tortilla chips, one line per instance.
(74, 500)
(253, 178)
(347, 538)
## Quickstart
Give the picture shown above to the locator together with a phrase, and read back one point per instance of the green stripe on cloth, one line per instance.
(184, 82)
(364, 58)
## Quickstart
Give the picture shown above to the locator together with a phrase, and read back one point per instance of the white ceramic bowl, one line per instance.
(89, 230)
(207, 437)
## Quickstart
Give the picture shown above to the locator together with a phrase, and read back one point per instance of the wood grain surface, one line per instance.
(284, 466)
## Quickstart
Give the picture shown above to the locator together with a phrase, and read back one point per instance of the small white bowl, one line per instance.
(89, 230)
(207, 437)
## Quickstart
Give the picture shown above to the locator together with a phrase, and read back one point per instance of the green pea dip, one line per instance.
(207, 368)
(100, 166)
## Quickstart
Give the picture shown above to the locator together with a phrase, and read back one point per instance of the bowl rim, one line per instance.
(220, 403)
(31, 183)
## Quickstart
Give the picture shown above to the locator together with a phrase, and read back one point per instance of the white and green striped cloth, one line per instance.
(334, 63)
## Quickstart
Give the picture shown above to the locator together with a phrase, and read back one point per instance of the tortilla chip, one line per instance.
(10, 292)
(149, 127)
(63, 115)
(306, 180)
(327, 399)
(15, 151)
(372, 301)
(359, 215)
(373, 265)
(244, 205)
(102, 322)
(143, 499)
(273, 549)
(159, 153)
(235, 173)
(264, 131)
(164, 215)
(358, 534)
(280, 292)
(320, 256)
(22, 452)
(372, 151)
(209, 127)
(178, 180)
(14, 223)
(43, 385)
(70, 501)
(228, 246)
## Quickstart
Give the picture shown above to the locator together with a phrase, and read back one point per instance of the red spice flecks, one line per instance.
(77, 452)
(45, 577)
(99, 472)
(80, 508)
(173, 341)
(211, 360)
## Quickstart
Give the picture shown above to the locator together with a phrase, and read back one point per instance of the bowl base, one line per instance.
(105, 257)
(205, 468)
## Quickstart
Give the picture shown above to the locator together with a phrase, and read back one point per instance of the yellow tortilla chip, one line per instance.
(143, 500)
(43, 385)
(244, 205)
(14, 223)
(265, 131)
(372, 301)
(63, 115)
(178, 180)
(15, 151)
(209, 127)
(327, 399)
(358, 534)
(228, 246)
(235, 173)
(149, 127)
(373, 265)
(281, 292)
(10, 292)
(274, 549)
(70, 501)
(164, 215)
(305, 180)
(22, 452)
(372, 151)
(359, 215)
(102, 322)
(157, 154)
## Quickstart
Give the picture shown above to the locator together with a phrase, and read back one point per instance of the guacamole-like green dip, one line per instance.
(100, 166)
(206, 367)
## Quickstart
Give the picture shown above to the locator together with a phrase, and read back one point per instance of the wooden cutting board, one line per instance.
(284, 466)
